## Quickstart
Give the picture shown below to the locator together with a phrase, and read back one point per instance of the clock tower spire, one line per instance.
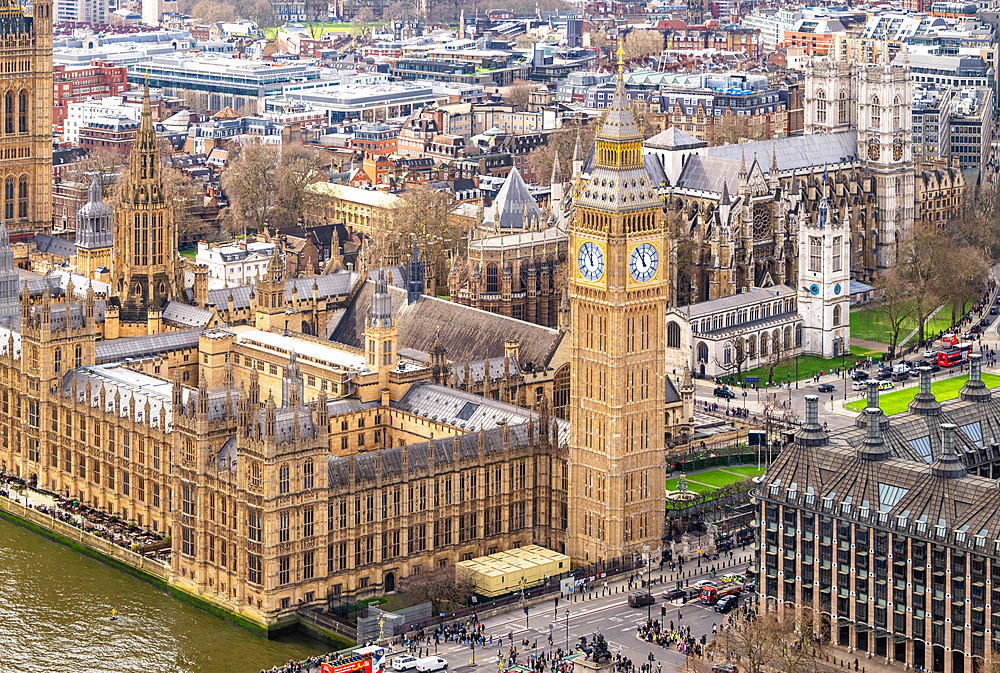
(618, 293)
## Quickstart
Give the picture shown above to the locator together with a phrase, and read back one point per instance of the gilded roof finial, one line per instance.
(621, 56)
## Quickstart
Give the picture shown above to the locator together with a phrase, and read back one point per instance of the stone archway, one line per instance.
(389, 583)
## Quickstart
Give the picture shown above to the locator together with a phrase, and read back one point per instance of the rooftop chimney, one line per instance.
(924, 403)
(974, 389)
(812, 433)
(948, 465)
(872, 392)
(873, 446)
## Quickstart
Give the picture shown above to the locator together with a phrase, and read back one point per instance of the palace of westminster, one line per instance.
(417, 432)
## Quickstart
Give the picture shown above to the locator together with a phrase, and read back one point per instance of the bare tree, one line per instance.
(561, 142)
(518, 94)
(299, 168)
(446, 589)
(896, 305)
(730, 129)
(919, 263)
(209, 11)
(361, 21)
(642, 43)
(422, 216)
(738, 358)
(773, 641)
(249, 182)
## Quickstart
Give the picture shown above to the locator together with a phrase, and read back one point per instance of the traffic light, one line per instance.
(704, 639)
(663, 610)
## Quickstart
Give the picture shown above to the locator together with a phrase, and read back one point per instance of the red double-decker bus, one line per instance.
(956, 355)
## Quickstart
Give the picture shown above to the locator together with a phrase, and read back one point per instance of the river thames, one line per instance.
(55, 615)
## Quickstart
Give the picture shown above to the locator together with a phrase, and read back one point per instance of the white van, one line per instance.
(431, 664)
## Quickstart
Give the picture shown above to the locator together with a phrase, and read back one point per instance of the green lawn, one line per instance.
(872, 324)
(899, 401)
(692, 485)
(342, 27)
(191, 254)
(808, 366)
(746, 471)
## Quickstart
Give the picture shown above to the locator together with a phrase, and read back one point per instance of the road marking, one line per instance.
(627, 628)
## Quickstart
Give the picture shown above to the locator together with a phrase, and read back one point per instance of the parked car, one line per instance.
(727, 603)
(859, 385)
(826, 388)
(640, 600)
(724, 393)
(860, 375)
(724, 668)
(404, 662)
(430, 664)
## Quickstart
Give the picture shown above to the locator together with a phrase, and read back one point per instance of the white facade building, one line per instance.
(235, 264)
(82, 114)
(824, 283)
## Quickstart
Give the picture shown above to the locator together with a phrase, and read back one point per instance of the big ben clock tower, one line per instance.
(618, 293)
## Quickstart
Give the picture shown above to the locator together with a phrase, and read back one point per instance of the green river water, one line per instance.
(55, 609)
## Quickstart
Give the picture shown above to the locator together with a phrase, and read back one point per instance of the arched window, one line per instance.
(727, 354)
(740, 350)
(22, 112)
(843, 112)
(702, 352)
(560, 392)
(820, 107)
(283, 479)
(492, 278)
(8, 112)
(895, 113)
(876, 108)
(798, 335)
(788, 338)
(751, 346)
(58, 360)
(673, 335)
(307, 475)
(8, 198)
(763, 345)
(776, 342)
(836, 315)
(78, 354)
(22, 196)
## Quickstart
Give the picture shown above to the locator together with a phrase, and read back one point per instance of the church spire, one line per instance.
(557, 177)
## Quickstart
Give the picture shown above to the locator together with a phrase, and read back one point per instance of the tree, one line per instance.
(446, 589)
(518, 94)
(422, 216)
(919, 262)
(187, 203)
(896, 305)
(774, 641)
(561, 142)
(361, 20)
(738, 358)
(259, 11)
(299, 168)
(397, 11)
(209, 11)
(249, 181)
(107, 163)
(731, 128)
(642, 43)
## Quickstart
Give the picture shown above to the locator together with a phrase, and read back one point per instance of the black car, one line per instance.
(674, 594)
(934, 367)
(826, 388)
(727, 603)
(884, 374)
(859, 375)
(640, 600)
(984, 323)
(900, 376)
(724, 668)
(724, 393)
(995, 310)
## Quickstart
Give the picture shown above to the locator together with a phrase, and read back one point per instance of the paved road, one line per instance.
(609, 615)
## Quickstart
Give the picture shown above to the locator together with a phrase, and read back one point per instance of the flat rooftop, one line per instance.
(305, 350)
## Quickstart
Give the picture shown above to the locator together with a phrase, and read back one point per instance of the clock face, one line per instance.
(874, 150)
(591, 261)
(897, 149)
(643, 262)
(814, 288)
(836, 288)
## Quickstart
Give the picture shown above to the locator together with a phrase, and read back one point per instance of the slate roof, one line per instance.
(187, 315)
(511, 202)
(674, 139)
(116, 350)
(740, 300)
(709, 174)
(463, 329)
(903, 486)
(793, 152)
(477, 370)
(56, 246)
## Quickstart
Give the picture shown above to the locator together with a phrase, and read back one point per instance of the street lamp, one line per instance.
(649, 577)
(524, 601)
(567, 630)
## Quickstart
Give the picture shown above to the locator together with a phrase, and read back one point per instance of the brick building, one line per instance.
(71, 84)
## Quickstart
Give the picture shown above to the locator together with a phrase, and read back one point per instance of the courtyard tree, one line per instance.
(445, 588)
(518, 94)
(422, 215)
(642, 43)
(561, 143)
(896, 306)
(919, 261)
